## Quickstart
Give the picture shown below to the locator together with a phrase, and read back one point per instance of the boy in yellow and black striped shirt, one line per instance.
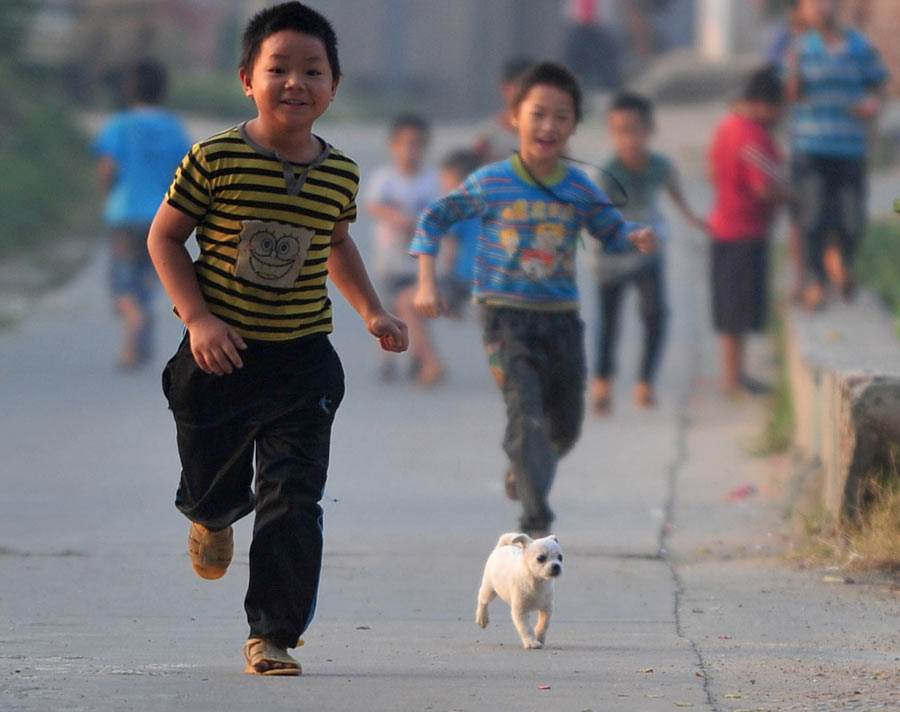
(271, 204)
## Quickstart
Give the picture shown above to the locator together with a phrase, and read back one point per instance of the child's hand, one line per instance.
(429, 302)
(390, 331)
(644, 239)
(215, 345)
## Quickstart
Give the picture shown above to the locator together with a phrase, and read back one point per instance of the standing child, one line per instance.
(834, 78)
(637, 175)
(139, 150)
(396, 195)
(745, 167)
(532, 207)
(271, 203)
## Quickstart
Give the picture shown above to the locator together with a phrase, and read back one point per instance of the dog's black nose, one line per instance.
(555, 570)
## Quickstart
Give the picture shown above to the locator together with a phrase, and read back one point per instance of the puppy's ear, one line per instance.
(522, 540)
(553, 536)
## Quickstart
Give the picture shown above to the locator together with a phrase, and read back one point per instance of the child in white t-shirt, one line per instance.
(397, 193)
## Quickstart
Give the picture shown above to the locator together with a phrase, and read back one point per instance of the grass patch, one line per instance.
(778, 431)
(878, 262)
(874, 535)
(45, 168)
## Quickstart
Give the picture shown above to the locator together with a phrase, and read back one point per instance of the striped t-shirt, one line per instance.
(264, 232)
(525, 257)
(833, 80)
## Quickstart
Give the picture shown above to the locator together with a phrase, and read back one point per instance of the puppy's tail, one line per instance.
(514, 539)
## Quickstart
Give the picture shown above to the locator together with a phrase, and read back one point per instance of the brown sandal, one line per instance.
(210, 551)
(263, 655)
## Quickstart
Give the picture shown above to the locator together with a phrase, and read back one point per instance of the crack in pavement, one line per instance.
(683, 422)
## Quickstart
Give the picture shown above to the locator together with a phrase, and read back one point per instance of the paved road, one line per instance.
(672, 596)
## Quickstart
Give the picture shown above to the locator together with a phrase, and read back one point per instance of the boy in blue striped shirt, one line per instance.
(532, 207)
(834, 78)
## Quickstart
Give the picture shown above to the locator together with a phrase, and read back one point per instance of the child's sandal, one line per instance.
(266, 658)
(210, 551)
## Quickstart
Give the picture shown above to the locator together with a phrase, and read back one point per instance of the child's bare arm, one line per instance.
(428, 301)
(673, 188)
(347, 271)
(214, 343)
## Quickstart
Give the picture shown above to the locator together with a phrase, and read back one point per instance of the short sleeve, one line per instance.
(108, 142)
(376, 189)
(873, 70)
(760, 162)
(349, 213)
(191, 191)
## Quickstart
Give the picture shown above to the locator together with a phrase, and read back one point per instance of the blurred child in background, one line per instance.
(138, 151)
(460, 243)
(397, 193)
(497, 136)
(634, 177)
(835, 78)
(746, 171)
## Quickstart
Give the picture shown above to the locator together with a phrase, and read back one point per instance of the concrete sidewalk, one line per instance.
(674, 594)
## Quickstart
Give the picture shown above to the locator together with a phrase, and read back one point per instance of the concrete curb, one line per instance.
(845, 390)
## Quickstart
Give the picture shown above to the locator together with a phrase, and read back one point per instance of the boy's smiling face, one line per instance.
(291, 81)
(545, 120)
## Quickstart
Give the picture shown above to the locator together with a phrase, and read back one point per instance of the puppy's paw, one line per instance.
(533, 644)
(481, 617)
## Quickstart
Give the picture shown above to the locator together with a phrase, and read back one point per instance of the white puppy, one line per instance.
(521, 571)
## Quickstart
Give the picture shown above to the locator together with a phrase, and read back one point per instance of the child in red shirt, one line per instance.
(745, 168)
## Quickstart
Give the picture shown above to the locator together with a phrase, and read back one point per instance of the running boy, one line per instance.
(745, 167)
(532, 207)
(835, 79)
(397, 193)
(637, 174)
(271, 203)
(138, 151)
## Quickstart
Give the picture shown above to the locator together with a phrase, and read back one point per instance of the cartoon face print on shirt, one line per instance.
(541, 260)
(271, 254)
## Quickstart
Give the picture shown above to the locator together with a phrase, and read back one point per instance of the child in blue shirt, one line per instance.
(532, 208)
(834, 77)
(138, 151)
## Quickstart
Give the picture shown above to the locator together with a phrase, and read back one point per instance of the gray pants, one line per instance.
(538, 360)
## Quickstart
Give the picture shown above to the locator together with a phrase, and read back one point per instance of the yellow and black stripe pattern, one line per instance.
(226, 180)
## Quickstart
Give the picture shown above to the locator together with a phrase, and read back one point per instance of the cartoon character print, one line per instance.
(271, 254)
(509, 238)
(539, 262)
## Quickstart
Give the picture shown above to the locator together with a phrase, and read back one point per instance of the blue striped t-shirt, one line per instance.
(525, 256)
(833, 80)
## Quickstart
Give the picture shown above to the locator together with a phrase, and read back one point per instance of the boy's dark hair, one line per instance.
(514, 69)
(288, 16)
(462, 162)
(550, 74)
(145, 82)
(764, 85)
(410, 121)
(637, 103)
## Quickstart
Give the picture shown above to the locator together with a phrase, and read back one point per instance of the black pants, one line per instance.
(832, 203)
(650, 286)
(538, 360)
(281, 404)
